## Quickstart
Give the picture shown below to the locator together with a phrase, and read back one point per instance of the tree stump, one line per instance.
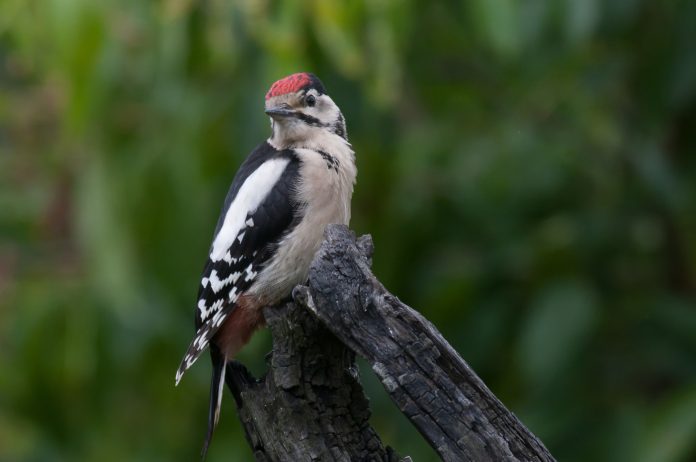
(311, 406)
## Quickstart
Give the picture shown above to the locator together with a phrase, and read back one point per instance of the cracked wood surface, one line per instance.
(310, 405)
(425, 377)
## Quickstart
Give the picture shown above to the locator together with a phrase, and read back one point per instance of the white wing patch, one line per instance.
(233, 295)
(250, 273)
(248, 198)
(216, 283)
(205, 311)
(229, 259)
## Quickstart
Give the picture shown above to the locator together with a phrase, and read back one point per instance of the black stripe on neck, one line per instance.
(309, 120)
(331, 162)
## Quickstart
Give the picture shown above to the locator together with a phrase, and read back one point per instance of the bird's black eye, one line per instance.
(310, 100)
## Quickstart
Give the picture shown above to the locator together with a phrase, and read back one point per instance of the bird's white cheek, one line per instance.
(291, 129)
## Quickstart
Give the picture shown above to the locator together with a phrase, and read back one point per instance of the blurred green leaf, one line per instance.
(582, 18)
(672, 435)
(497, 23)
(561, 321)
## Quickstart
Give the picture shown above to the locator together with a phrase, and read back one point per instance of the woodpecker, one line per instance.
(272, 222)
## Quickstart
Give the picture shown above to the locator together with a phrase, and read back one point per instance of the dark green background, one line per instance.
(527, 170)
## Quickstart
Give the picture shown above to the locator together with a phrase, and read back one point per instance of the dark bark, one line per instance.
(310, 406)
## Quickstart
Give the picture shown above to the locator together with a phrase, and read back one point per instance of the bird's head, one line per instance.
(301, 111)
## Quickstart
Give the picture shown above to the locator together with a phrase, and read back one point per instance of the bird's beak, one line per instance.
(280, 112)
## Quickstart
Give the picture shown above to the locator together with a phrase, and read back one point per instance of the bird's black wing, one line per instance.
(244, 241)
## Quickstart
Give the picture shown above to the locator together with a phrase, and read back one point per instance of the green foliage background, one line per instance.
(527, 170)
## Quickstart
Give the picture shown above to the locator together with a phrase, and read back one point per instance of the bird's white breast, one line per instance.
(326, 194)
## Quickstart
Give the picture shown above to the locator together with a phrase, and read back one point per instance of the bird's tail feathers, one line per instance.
(200, 341)
(216, 388)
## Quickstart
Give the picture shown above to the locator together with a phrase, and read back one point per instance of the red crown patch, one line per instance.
(289, 84)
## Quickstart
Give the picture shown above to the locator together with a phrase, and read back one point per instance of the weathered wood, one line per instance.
(310, 405)
(426, 378)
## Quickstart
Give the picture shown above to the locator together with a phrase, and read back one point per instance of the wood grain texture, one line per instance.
(311, 406)
(431, 384)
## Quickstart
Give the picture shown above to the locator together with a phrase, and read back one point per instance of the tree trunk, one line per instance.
(310, 405)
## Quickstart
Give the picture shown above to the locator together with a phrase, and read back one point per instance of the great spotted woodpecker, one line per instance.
(283, 196)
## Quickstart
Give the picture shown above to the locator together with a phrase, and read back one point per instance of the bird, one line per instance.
(284, 194)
